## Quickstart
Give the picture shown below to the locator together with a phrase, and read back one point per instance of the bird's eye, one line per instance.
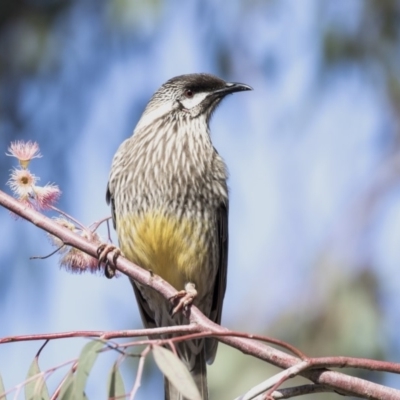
(189, 93)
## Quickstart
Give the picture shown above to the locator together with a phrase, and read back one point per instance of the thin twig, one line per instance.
(59, 387)
(70, 217)
(106, 335)
(18, 387)
(93, 227)
(274, 380)
(48, 255)
(295, 391)
(139, 373)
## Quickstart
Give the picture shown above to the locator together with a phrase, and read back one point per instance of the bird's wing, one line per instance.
(145, 312)
(110, 201)
(220, 280)
(118, 164)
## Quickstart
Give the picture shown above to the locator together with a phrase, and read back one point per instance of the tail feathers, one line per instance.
(199, 374)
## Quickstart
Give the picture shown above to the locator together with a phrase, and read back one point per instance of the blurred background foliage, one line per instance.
(313, 154)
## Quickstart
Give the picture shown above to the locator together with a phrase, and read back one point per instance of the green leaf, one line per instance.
(66, 389)
(2, 389)
(85, 363)
(36, 389)
(176, 372)
(115, 383)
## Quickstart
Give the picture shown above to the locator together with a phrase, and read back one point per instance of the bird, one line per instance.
(169, 199)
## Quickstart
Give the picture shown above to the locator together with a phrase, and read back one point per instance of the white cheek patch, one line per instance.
(194, 101)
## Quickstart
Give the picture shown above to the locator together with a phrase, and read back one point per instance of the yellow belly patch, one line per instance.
(173, 248)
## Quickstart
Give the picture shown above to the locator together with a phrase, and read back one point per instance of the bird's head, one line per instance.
(192, 95)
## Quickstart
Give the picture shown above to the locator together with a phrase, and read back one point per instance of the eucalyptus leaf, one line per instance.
(86, 361)
(115, 383)
(176, 372)
(66, 392)
(36, 389)
(2, 389)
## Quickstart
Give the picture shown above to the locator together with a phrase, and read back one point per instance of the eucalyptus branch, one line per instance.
(139, 374)
(106, 335)
(295, 391)
(274, 381)
(195, 331)
(339, 382)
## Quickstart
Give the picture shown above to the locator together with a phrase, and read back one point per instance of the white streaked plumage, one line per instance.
(169, 197)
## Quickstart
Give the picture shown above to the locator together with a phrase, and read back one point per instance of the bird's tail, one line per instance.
(199, 374)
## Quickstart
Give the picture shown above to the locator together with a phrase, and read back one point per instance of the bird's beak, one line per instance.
(231, 87)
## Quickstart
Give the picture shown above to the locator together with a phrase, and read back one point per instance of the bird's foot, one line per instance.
(102, 253)
(184, 298)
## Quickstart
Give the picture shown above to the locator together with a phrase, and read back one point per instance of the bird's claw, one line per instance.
(183, 299)
(102, 253)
